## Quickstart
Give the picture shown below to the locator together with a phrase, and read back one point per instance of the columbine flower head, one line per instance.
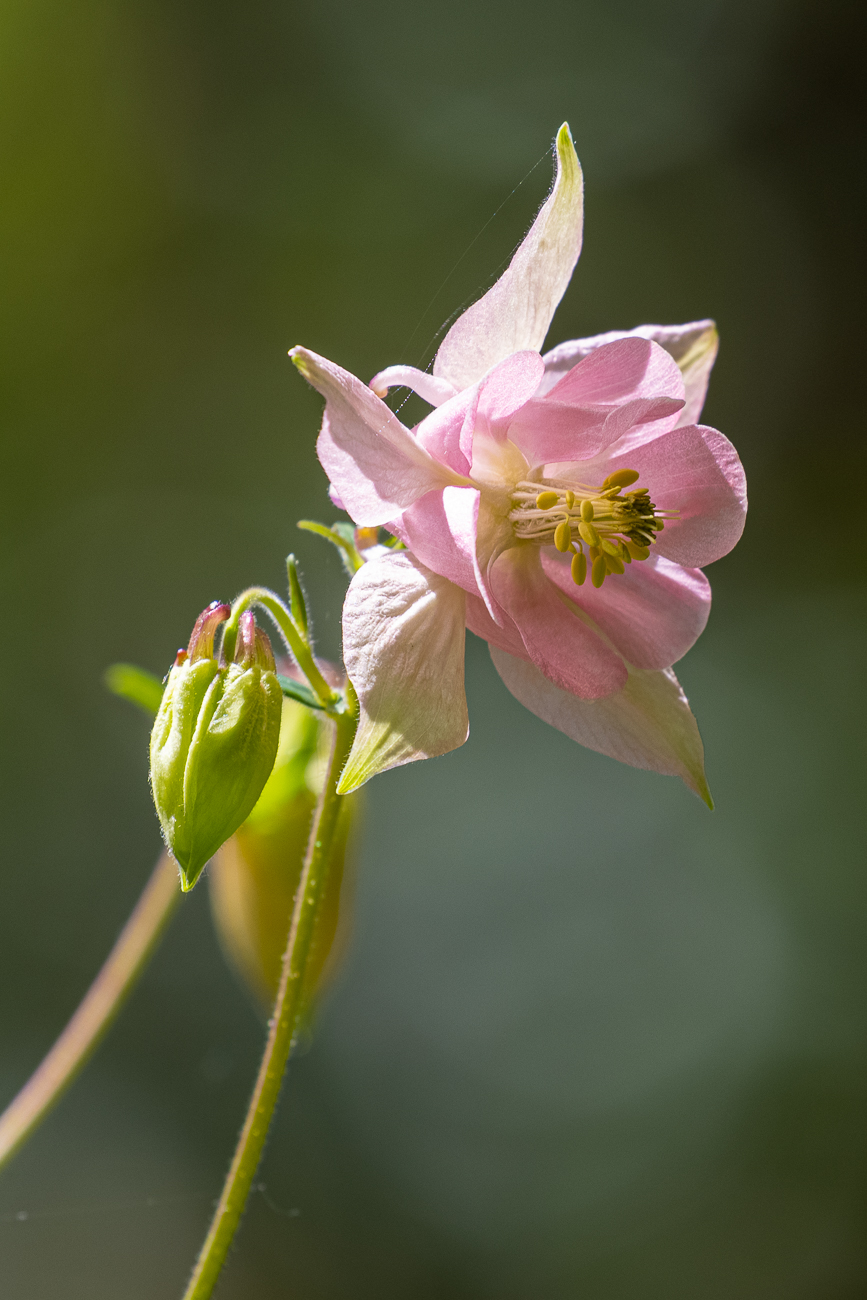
(560, 506)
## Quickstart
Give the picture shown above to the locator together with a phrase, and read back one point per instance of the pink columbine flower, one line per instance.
(560, 506)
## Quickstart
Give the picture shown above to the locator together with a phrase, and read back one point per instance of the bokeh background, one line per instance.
(590, 1040)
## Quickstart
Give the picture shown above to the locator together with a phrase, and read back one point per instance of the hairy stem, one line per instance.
(288, 1008)
(95, 1013)
(296, 642)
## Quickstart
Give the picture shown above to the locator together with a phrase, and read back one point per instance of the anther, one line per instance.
(598, 572)
(587, 511)
(588, 533)
(545, 500)
(610, 548)
(563, 535)
(613, 563)
(621, 478)
(636, 551)
(579, 568)
(570, 500)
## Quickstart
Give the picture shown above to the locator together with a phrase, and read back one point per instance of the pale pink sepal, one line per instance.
(433, 390)
(403, 646)
(693, 347)
(375, 465)
(647, 724)
(515, 314)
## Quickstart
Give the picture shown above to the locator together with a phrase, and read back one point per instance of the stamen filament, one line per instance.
(617, 522)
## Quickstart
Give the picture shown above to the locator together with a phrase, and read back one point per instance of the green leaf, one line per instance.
(136, 685)
(298, 691)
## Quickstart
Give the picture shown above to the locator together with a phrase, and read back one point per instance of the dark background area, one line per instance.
(590, 1040)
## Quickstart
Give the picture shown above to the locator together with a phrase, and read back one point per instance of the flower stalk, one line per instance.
(96, 1012)
(288, 1008)
(296, 640)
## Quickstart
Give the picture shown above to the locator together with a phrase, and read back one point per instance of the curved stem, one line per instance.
(288, 1009)
(295, 641)
(97, 1010)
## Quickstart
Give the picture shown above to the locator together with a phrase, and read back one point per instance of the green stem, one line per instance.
(288, 1009)
(294, 639)
(96, 1011)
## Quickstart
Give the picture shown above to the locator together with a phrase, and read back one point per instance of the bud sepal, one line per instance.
(214, 740)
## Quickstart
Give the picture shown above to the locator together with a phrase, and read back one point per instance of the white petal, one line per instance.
(515, 314)
(403, 645)
(647, 724)
(693, 347)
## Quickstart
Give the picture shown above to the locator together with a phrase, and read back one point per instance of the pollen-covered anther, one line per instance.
(599, 571)
(579, 568)
(563, 535)
(616, 522)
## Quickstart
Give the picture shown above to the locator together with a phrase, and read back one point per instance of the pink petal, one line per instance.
(447, 433)
(455, 533)
(618, 372)
(653, 612)
(374, 463)
(403, 645)
(483, 409)
(433, 390)
(504, 634)
(647, 724)
(555, 432)
(625, 384)
(440, 530)
(696, 471)
(515, 314)
(557, 639)
(508, 388)
(693, 347)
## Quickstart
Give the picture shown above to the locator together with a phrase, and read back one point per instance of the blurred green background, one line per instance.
(590, 1040)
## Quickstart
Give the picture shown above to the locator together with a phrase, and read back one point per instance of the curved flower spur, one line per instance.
(560, 506)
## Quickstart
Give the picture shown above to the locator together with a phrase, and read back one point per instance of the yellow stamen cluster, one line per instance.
(614, 525)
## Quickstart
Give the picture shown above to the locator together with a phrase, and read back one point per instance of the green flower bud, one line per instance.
(214, 740)
(254, 877)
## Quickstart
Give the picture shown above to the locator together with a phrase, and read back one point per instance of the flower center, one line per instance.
(604, 527)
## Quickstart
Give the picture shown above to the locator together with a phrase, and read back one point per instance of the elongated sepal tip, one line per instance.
(299, 360)
(703, 792)
(566, 148)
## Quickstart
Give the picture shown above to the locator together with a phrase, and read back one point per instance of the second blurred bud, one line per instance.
(254, 876)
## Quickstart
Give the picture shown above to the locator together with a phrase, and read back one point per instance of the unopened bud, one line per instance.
(254, 878)
(214, 740)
